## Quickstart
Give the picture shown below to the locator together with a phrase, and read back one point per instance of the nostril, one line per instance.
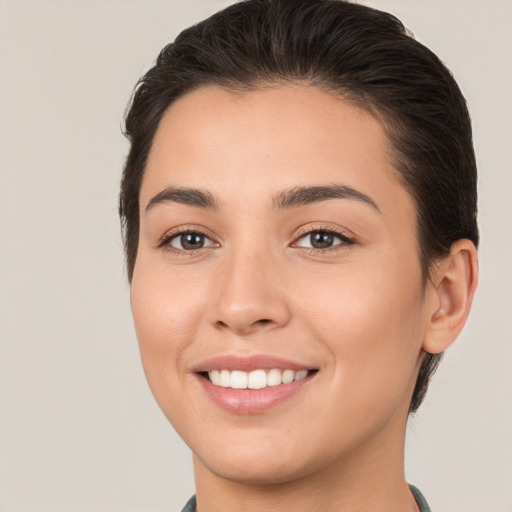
(243, 328)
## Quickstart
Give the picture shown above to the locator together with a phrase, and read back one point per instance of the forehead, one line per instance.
(241, 146)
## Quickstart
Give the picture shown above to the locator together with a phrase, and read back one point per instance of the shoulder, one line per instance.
(420, 499)
(190, 506)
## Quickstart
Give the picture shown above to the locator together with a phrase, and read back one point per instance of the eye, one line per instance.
(322, 239)
(187, 241)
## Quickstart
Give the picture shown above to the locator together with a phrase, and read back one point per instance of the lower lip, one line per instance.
(252, 401)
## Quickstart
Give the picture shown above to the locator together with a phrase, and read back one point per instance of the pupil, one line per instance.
(192, 241)
(321, 240)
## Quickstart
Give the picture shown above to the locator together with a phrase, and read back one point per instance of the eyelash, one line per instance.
(165, 242)
(345, 240)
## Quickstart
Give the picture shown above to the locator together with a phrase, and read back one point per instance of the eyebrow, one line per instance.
(303, 196)
(188, 196)
(294, 197)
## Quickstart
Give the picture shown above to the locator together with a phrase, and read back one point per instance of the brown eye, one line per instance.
(190, 241)
(321, 239)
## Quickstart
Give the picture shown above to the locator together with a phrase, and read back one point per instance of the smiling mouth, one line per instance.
(256, 379)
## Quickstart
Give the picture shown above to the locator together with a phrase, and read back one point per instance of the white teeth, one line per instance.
(301, 374)
(215, 377)
(274, 377)
(238, 379)
(288, 376)
(225, 378)
(257, 379)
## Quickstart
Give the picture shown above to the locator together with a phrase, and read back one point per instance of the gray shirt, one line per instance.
(420, 500)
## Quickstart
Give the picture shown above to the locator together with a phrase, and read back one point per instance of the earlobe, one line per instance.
(453, 285)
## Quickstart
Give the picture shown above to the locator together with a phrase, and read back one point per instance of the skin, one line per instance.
(356, 312)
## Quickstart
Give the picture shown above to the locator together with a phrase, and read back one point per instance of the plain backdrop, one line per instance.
(79, 429)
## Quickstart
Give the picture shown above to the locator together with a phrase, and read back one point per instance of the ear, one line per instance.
(451, 289)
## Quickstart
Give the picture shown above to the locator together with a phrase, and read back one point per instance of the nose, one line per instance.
(250, 295)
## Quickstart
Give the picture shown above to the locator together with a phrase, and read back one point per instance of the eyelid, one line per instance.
(164, 241)
(338, 232)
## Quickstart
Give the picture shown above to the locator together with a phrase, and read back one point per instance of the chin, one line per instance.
(243, 470)
(262, 461)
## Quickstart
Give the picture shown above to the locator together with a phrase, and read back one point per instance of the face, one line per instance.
(277, 292)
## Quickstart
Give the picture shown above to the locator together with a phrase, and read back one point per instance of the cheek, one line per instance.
(371, 321)
(165, 311)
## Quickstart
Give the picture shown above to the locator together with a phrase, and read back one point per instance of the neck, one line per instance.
(371, 477)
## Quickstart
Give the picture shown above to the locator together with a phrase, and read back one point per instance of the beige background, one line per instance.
(79, 430)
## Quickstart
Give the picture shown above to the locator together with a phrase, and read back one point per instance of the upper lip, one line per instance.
(248, 363)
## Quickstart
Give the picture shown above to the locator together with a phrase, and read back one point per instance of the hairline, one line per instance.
(359, 99)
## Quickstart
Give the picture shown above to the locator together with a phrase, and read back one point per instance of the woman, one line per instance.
(299, 211)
